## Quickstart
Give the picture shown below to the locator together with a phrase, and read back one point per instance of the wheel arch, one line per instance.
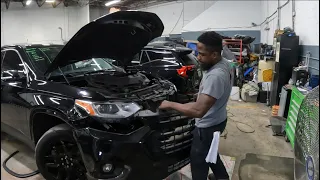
(42, 119)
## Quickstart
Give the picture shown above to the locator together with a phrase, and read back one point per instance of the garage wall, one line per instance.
(306, 26)
(40, 25)
(96, 12)
(227, 18)
(175, 15)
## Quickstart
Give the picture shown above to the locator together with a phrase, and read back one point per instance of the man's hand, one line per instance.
(165, 105)
(193, 109)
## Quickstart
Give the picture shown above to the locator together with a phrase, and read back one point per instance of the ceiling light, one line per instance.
(50, 1)
(28, 2)
(112, 2)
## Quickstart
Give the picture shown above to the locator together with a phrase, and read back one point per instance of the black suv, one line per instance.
(87, 118)
(173, 62)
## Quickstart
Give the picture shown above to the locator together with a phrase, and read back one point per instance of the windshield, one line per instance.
(41, 58)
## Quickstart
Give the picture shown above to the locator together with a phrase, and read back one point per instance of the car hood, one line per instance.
(117, 36)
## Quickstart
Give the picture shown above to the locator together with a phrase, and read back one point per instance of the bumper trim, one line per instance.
(122, 176)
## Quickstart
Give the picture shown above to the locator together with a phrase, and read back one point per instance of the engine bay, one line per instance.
(116, 82)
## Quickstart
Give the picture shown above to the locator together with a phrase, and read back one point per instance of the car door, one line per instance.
(162, 63)
(13, 87)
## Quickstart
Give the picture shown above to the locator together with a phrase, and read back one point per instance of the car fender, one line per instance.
(54, 106)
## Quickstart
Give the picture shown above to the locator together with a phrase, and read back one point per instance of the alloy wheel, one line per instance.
(63, 161)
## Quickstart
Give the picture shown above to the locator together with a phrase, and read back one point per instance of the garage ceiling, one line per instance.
(124, 4)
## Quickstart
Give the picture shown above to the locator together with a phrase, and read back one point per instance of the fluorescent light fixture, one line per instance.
(112, 2)
(28, 2)
(50, 1)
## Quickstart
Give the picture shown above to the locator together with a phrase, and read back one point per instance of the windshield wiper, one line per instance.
(99, 71)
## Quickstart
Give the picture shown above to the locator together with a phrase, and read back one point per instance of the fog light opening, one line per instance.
(107, 168)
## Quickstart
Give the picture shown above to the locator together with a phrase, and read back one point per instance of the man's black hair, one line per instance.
(212, 41)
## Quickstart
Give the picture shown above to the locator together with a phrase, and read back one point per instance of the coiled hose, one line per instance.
(4, 165)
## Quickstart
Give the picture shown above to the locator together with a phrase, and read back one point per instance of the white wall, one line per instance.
(227, 15)
(96, 12)
(169, 13)
(306, 20)
(40, 25)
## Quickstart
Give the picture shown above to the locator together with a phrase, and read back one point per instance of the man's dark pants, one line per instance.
(202, 138)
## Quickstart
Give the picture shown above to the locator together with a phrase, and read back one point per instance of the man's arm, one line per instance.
(213, 89)
(194, 109)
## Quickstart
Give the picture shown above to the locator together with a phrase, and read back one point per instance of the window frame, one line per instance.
(25, 70)
(139, 59)
(158, 51)
(144, 51)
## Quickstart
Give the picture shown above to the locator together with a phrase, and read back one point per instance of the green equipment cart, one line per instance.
(295, 102)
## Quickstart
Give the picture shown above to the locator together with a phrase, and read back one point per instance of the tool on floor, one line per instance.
(4, 165)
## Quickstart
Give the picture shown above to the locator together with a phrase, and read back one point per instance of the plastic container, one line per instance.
(247, 98)
(235, 93)
(314, 81)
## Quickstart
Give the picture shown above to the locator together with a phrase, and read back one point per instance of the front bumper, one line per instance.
(153, 151)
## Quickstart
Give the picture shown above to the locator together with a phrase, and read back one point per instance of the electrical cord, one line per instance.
(230, 115)
(182, 11)
(4, 165)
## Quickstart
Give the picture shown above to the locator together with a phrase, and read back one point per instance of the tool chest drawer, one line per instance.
(295, 102)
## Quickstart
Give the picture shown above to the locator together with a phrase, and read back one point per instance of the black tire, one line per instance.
(55, 144)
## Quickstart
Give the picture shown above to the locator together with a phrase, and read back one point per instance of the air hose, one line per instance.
(4, 165)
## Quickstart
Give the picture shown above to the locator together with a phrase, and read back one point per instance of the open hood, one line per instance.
(117, 36)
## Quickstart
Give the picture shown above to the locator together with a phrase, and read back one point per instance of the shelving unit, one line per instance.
(236, 42)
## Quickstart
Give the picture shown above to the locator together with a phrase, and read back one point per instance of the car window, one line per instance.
(40, 60)
(11, 62)
(158, 55)
(144, 58)
(189, 59)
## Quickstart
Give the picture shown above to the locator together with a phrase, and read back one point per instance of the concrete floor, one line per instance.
(236, 144)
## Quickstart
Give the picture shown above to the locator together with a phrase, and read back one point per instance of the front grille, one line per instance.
(175, 133)
(178, 165)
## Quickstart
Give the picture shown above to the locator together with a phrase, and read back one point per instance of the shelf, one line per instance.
(235, 42)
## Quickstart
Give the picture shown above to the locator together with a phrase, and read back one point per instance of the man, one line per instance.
(210, 107)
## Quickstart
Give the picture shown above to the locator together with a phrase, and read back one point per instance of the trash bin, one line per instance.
(278, 125)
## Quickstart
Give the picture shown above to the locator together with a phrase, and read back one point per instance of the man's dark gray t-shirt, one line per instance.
(216, 83)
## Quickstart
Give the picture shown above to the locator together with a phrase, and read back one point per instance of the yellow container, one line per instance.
(264, 65)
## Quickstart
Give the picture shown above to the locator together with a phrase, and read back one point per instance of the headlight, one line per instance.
(109, 110)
